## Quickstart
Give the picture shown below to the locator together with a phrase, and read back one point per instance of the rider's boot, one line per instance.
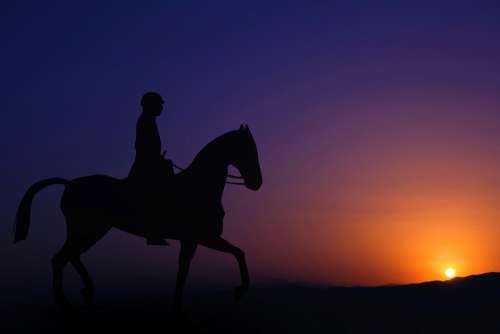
(153, 222)
(156, 241)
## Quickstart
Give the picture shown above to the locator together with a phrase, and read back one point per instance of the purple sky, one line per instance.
(354, 105)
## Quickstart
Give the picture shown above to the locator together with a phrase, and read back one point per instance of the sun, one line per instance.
(450, 273)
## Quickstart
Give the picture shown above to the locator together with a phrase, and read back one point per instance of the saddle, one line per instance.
(143, 190)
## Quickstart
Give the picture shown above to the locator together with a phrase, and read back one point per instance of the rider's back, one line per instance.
(147, 149)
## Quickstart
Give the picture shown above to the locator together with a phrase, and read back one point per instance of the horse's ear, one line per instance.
(241, 127)
(246, 127)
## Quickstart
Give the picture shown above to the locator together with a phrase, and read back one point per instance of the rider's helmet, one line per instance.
(151, 99)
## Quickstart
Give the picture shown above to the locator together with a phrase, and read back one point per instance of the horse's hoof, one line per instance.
(87, 295)
(181, 318)
(63, 303)
(239, 292)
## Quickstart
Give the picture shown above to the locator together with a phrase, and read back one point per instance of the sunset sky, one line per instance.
(377, 124)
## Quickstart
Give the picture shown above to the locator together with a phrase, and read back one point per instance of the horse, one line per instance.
(188, 205)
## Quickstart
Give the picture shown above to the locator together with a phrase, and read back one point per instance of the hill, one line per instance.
(462, 305)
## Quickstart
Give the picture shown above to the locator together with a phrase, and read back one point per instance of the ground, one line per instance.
(470, 305)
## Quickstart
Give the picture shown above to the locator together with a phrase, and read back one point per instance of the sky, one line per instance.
(377, 125)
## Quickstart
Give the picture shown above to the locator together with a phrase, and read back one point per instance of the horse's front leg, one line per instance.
(188, 249)
(222, 245)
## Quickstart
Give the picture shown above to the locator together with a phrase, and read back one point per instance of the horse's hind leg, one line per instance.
(88, 285)
(59, 261)
(223, 246)
(80, 238)
(80, 245)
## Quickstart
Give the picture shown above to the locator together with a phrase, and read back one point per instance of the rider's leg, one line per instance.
(154, 238)
(153, 220)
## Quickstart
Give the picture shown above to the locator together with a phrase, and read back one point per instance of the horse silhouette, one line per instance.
(188, 206)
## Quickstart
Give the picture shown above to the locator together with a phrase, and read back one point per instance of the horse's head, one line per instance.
(246, 159)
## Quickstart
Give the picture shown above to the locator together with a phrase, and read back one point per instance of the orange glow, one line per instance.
(450, 272)
(395, 207)
(397, 199)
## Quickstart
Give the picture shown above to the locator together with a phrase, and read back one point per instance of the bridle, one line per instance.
(229, 176)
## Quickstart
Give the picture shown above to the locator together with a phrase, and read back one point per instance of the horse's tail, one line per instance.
(23, 216)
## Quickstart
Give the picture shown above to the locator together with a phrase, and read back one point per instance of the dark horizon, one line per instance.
(457, 307)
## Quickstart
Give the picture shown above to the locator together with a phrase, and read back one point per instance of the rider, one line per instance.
(149, 165)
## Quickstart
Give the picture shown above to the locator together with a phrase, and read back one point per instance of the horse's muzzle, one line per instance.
(254, 184)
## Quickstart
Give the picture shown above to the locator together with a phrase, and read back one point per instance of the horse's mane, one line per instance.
(214, 148)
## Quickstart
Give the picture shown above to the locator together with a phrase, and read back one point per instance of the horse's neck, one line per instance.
(206, 174)
(209, 171)
(213, 158)
(210, 166)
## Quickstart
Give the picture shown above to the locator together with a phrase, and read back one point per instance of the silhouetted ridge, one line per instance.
(479, 280)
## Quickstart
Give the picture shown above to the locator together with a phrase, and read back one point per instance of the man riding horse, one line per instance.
(150, 170)
(93, 205)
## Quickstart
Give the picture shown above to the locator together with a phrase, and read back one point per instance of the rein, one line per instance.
(230, 176)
